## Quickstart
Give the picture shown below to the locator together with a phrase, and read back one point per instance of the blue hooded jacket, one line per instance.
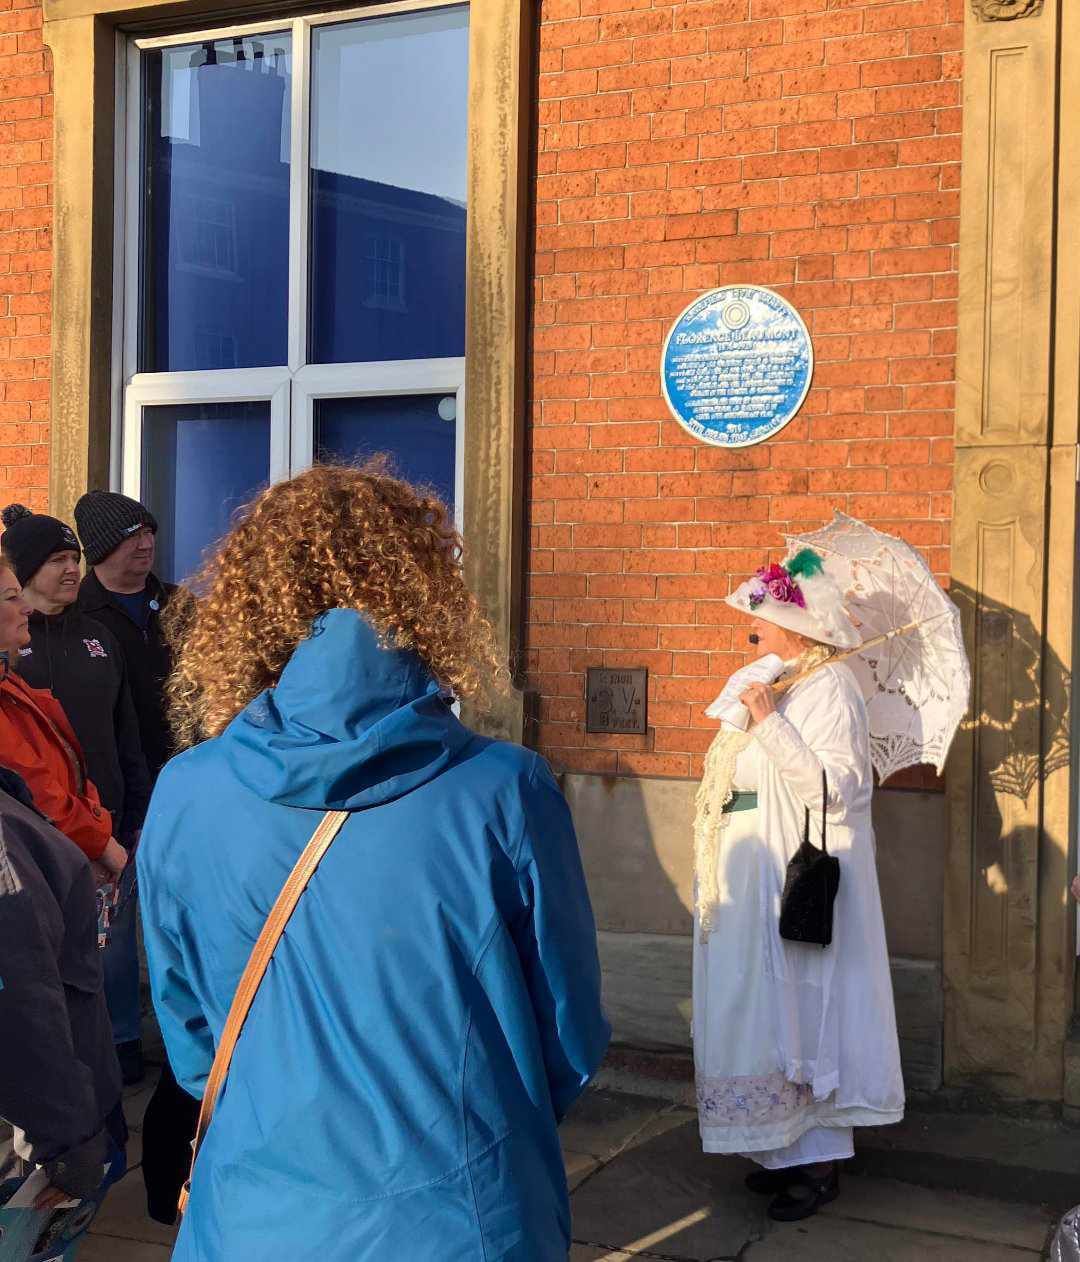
(433, 1007)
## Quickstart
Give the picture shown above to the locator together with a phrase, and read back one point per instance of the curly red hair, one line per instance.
(332, 537)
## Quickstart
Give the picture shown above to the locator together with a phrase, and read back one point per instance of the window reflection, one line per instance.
(388, 188)
(385, 279)
(200, 462)
(417, 431)
(206, 236)
(216, 204)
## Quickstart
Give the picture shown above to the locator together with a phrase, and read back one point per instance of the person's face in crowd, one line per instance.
(125, 569)
(56, 584)
(14, 614)
(779, 640)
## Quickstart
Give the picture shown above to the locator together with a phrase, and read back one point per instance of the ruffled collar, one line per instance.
(815, 656)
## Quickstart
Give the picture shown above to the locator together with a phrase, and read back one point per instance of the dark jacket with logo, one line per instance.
(146, 657)
(81, 663)
(59, 1079)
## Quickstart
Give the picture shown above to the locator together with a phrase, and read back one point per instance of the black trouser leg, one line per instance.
(168, 1128)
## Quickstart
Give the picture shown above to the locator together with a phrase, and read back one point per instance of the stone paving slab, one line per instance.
(838, 1240)
(664, 1196)
(886, 1202)
(579, 1166)
(112, 1249)
(666, 1120)
(984, 1176)
(1011, 1140)
(601, 1122)
(124, 1214)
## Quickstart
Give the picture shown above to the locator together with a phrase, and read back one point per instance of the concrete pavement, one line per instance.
(642, 1189)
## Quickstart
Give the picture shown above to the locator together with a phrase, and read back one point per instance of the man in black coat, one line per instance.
(80, 662)
(121, 591)
(118, 537)
(59, 1079)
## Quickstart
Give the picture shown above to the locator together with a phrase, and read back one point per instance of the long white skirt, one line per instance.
(823, 1143)
(769, 1015)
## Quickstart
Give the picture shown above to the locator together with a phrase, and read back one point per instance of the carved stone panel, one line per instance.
(1006, 233)
(1008, 746)
(1005, 10)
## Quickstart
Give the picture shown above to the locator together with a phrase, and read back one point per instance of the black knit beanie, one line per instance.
(105, 519)
(31, 538)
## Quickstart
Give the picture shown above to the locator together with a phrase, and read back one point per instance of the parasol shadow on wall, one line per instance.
(1019, 712)
(1015, 736)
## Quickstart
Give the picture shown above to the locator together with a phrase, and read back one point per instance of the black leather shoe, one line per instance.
(769, 1182)
(804, 1195)
(132, 1069)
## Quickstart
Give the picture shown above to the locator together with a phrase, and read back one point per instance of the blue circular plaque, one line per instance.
(737, 365)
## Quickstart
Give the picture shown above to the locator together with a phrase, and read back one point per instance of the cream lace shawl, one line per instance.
(714, 793)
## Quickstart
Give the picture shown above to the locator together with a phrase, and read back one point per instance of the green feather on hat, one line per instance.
(804, 564)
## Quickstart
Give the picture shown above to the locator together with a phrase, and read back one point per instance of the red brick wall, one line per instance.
(25, 253)
(809, 145)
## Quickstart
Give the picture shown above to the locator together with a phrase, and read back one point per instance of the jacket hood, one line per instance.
(350, 723)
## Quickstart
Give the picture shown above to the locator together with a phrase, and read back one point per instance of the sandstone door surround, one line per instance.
(1009, 941)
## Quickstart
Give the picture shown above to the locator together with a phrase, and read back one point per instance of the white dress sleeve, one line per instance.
(822, 729)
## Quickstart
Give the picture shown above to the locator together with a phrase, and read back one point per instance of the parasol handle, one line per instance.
(782, 685)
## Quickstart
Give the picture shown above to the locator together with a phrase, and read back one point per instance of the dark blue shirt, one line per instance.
(136, 605)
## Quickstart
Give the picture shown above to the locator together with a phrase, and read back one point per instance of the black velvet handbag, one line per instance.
(813, 877)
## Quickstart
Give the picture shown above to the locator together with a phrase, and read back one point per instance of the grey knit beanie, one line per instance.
(104, 519)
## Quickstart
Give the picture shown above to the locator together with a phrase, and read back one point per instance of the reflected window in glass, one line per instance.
(417, 431)
(386, 273)
(215, 238)
(200, 462)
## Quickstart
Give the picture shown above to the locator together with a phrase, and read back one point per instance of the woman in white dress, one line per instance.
(794, 1044)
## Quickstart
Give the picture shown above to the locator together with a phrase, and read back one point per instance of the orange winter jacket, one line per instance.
(36, 740)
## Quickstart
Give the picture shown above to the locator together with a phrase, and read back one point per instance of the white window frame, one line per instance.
(389, 377)
(291, 388)
(226, 385)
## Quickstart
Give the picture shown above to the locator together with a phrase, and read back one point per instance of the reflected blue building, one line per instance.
(387, 264)
(386, 282)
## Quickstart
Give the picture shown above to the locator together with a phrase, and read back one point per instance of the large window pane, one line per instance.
(215, 260)
(200, 462)
(389, 127)
(417, 431)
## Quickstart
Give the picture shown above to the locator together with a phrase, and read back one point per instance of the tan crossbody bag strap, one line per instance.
(328, 829)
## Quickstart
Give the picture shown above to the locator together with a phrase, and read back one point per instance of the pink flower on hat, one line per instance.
(778, 584)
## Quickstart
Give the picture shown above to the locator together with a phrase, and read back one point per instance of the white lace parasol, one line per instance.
(916, 681)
